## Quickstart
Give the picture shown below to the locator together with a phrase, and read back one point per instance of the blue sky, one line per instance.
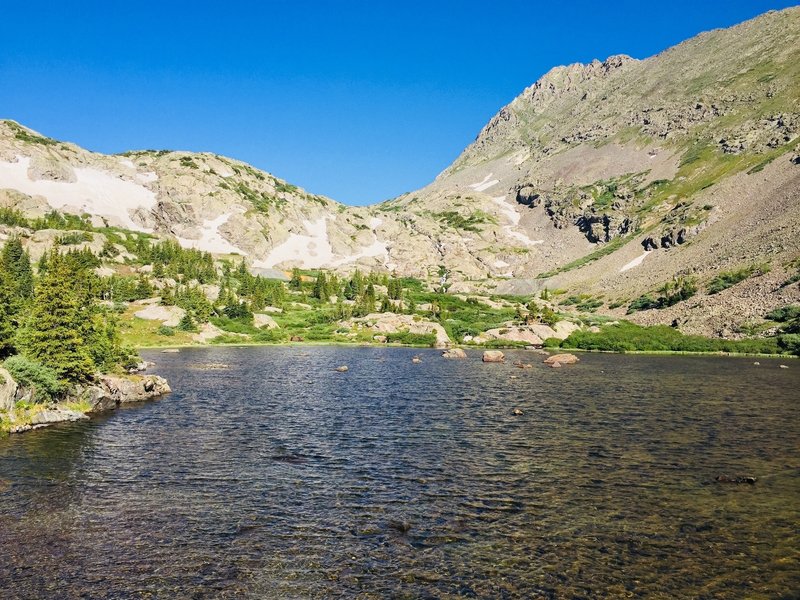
(360, 101)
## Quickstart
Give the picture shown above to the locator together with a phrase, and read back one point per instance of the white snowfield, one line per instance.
(211, 239)
(635, 262)
(484, 185)
(314, 249)
(95, 192)
(513, 216)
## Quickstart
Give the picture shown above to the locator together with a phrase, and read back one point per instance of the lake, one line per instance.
(267, 474)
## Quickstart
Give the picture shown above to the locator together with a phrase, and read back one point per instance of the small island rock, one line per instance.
(493, 356)
(562, 359)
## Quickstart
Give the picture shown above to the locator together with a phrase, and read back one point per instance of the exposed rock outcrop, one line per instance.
(8, 390)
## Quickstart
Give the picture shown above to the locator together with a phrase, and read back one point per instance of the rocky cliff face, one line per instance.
(607, 178)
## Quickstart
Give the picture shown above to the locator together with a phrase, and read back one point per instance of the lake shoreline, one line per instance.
(104, 395)
(462, 346)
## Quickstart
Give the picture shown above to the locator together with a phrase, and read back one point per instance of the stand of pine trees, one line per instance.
(52, 323)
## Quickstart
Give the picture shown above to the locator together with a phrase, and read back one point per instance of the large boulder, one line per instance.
(454, 353)
(382, 323)
(8, 390)
(169, 316)
(493, 356)
(561, 359)
(511, 333)
(58, 415)
(261, 320)
(134, 388)
(563, 329)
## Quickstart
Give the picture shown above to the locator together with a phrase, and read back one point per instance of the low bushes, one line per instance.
(728, 279)
(627, 337)
(31, 374)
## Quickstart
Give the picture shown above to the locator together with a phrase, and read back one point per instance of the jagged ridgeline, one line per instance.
(616, 182)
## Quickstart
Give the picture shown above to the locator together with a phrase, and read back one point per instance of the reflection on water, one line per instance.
(281, 478)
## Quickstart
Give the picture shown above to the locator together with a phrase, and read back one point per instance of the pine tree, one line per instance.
(7, 328)
(368, 300)
(320, 288)
(296, 282)
(16, 263)
(52, 334)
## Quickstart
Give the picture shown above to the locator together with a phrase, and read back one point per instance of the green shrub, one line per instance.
(628, 337)
(411, 339)
(31, 374)
(784, 313)
(187, 324)
(164, 330)
(727, 279)
(790, 343)
(271, 336)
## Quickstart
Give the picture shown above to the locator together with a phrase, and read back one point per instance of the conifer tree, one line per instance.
(16, 263)
(296, 283)
(52, 334)
(320, 288)
(7, 328)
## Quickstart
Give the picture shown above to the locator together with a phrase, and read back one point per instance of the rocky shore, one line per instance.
(19, 413)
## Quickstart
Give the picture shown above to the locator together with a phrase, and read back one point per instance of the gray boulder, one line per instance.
(8, 390)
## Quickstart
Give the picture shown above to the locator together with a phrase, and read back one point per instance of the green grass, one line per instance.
(728, 279)
(628, 337)
(140, 333)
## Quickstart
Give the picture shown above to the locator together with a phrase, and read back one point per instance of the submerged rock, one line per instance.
(749, 479)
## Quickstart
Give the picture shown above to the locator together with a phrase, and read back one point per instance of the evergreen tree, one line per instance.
(52, 334)
(16, 263)
(296, 282)
(7, 327)
(143, 288)
(320, 288)
(369, 296)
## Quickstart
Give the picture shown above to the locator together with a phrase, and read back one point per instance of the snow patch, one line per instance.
(146, 177)
(507, 209)
(484, 185)
(377, 248)
(95, 192)
(511, 213)
(311, 251)
(635, 262)
(375, 222)
(211, 239)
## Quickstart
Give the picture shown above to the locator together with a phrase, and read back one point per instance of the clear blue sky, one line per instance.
(360, 101)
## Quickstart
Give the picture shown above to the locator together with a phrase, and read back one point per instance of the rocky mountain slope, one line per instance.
(607, 180)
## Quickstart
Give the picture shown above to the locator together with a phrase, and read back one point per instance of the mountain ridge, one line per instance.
(611, 177)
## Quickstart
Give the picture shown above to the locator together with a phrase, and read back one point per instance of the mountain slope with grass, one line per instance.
(664, 189)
